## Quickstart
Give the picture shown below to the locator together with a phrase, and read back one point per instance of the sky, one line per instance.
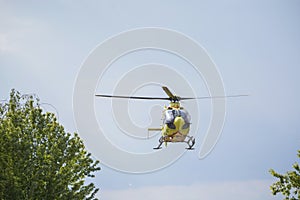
(254, 44)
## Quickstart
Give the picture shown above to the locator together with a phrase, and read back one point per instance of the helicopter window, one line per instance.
(170, 115)
(186, 125)
(185, 115)
(171, 125)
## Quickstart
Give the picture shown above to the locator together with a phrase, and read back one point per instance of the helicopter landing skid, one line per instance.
(190, 142)
(161, 140)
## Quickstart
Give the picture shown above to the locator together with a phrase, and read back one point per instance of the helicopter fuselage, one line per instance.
(176, 124)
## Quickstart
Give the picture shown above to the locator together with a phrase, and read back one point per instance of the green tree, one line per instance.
(38, 159)
(288, 184)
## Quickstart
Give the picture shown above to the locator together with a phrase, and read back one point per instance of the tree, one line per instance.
(38, 159)
(288, 184)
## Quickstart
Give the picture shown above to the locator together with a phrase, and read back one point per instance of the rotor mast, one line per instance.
(174, 100)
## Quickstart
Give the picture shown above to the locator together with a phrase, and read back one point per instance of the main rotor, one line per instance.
(171, 97)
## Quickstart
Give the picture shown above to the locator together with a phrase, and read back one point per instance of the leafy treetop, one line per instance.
(38, 159)
(288, 184)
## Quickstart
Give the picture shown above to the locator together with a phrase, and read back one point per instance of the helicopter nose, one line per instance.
(179, 122)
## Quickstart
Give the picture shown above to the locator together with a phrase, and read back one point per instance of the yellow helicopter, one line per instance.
(176, 120)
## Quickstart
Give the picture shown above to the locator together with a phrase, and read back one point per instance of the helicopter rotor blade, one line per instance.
(132, 97)
(168, 92)
(166, 98)
(214, 97)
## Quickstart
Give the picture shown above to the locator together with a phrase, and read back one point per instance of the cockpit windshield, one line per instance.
(170, 115)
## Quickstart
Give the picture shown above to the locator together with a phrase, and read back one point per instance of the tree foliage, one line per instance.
(288, 184)
(38, 159)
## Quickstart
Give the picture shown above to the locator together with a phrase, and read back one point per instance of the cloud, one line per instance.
(233, 190)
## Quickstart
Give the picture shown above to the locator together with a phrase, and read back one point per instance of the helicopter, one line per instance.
(176, 120)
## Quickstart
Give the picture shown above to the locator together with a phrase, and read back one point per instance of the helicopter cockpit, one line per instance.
(170, 115)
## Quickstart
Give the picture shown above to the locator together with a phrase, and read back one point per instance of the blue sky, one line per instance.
(255, 45)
